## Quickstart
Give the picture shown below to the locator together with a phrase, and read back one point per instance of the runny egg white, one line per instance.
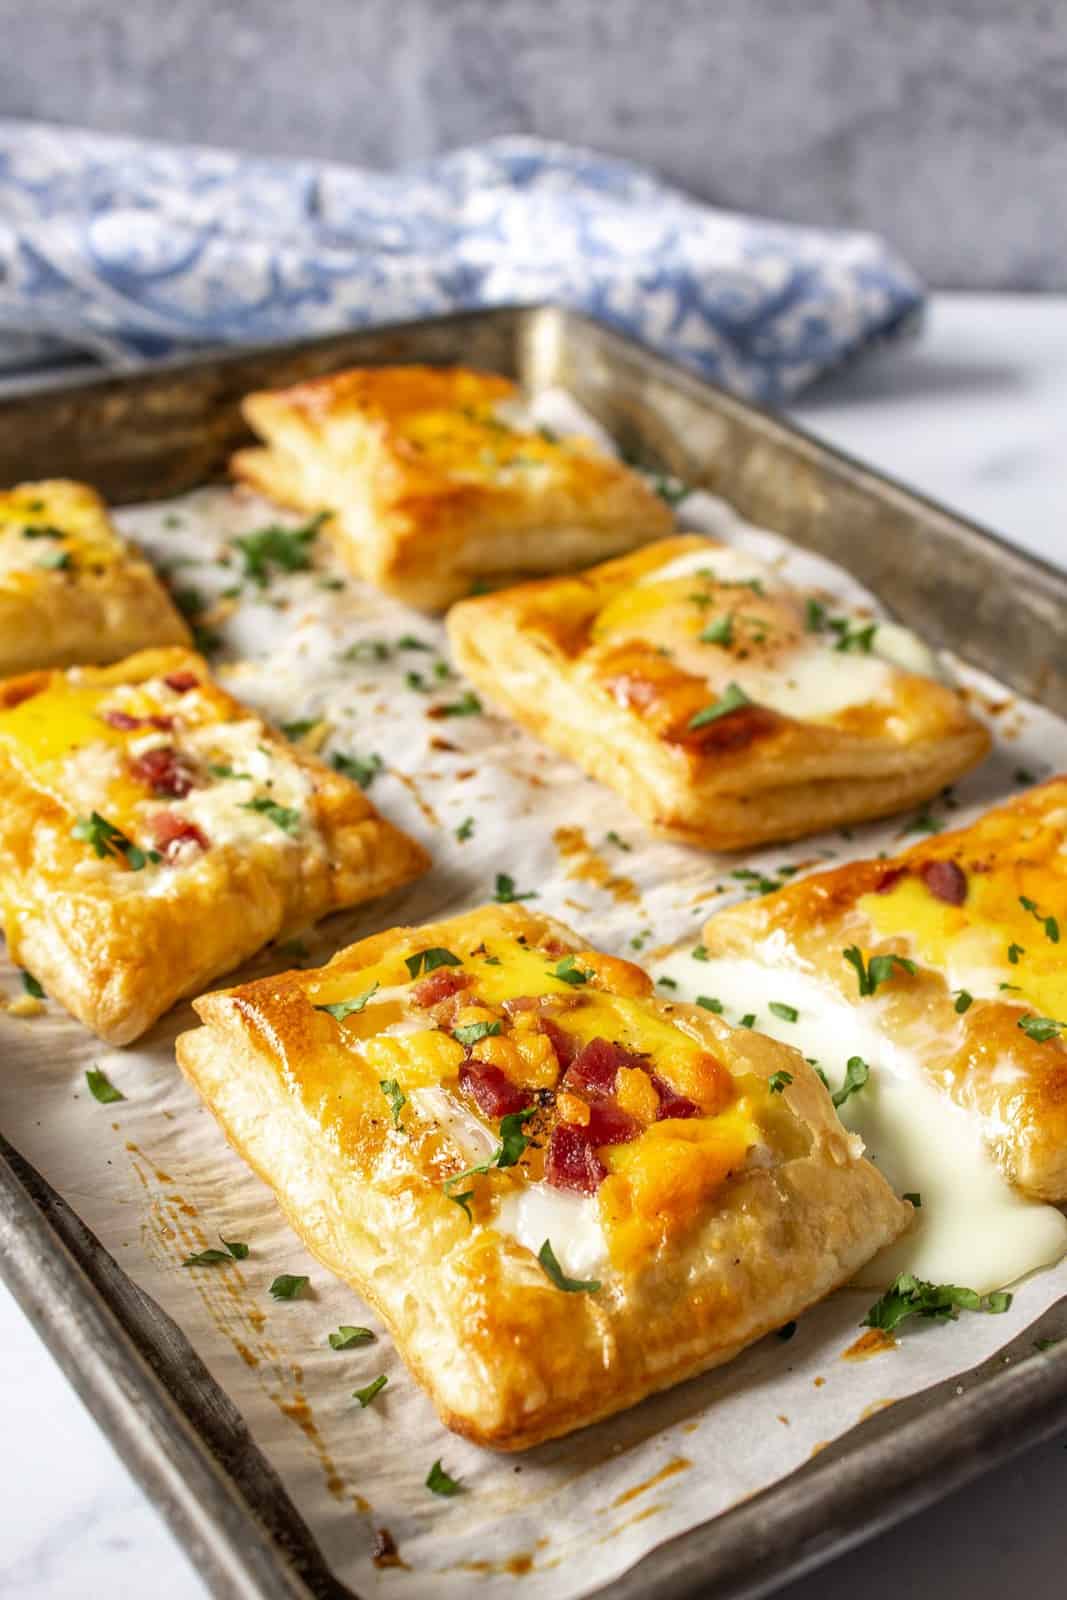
(972, 1228)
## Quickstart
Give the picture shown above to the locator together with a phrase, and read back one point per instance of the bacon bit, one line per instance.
(127, 723)
(945, 880)
(171, 832)
(671, 1103)
(610, 1124)
(439, 985)
(571, 1162)
(181, 682)
(564, 1044)
(522, 1002)
(165, 772)
(594, 1067)
(437, 743)
(491, 1090)
(890, 877)
(384, 1552)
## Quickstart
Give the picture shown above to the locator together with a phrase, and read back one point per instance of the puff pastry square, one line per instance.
(436, 482)
(980, 913)
(560, 1192)
(154, 833)
(71, 591)
(725, 708)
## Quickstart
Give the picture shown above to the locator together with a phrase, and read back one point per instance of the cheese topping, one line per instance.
(170, 769)
(47, 528)
(972, 1227)
(726, 618)
(481, 444)
(632, 1123)
(992, 945)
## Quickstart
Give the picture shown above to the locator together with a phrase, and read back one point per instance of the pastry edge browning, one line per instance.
(1024, 1125)
(88, 618)
(509, 1360)
(118, 962)
(729, 806)
(424, 537)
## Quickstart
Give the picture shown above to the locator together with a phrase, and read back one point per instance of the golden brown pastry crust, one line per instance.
(118, 946)
(622, 706)
(431, 490)
(986, 953)
(510, 1359)
(71, 591)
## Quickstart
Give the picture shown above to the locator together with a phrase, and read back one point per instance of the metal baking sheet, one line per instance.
(170, 430)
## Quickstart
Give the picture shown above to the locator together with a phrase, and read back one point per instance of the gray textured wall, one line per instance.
(943, 123)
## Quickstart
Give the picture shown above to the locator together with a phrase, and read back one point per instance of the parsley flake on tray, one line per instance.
(909, 1296)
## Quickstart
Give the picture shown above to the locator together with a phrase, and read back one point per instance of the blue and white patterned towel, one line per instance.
(133, 250)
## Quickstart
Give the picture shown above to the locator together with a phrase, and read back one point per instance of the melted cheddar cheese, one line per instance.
(52, 529)
(654, 1182)
(112, 748)
(477, 445)
(1005, 940)
(718, 619)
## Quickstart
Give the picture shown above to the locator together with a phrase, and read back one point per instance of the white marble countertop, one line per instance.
(974, 413)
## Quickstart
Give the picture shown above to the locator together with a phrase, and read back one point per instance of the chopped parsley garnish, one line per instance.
(721, 631)
(470, 1032)
(859, 639)
(218, 770)
(289, 1286)
(236, 1250)
(924, 822)
(909, 1296)
(468, 705)
(671, 489)
(101, 1087)
(614, 838)
(362, 770)
(506, 893)
(1041, 1029)
(699, 952)
(513, 1142)
(395, 1096)
(408, 641)
(372, 650)
(31, 986)
(55, 560)
(778, 1008)
(366, 1395)
(340, 1009)
(1014, 952)
(296, 730)
(107, 840)
(877, 971)
(814, 616)
(667, 983)
(439, 1482)
(710, 1003)
(914, 1198)
(1047, 1344)
(275, 547)
(1023, 775)
(285, 817)
(428, 961)
(348, 1337)
(857, 1072)
(568, 971)
(555, 1273)
(732, 699)
(748, 1020)
(465, 829)
(759, 882)
(964, 1001)
(416, 681)
(778, 1081)
(1050, 925)
(43, 530)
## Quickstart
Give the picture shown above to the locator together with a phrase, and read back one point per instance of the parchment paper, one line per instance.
(154, 1179)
